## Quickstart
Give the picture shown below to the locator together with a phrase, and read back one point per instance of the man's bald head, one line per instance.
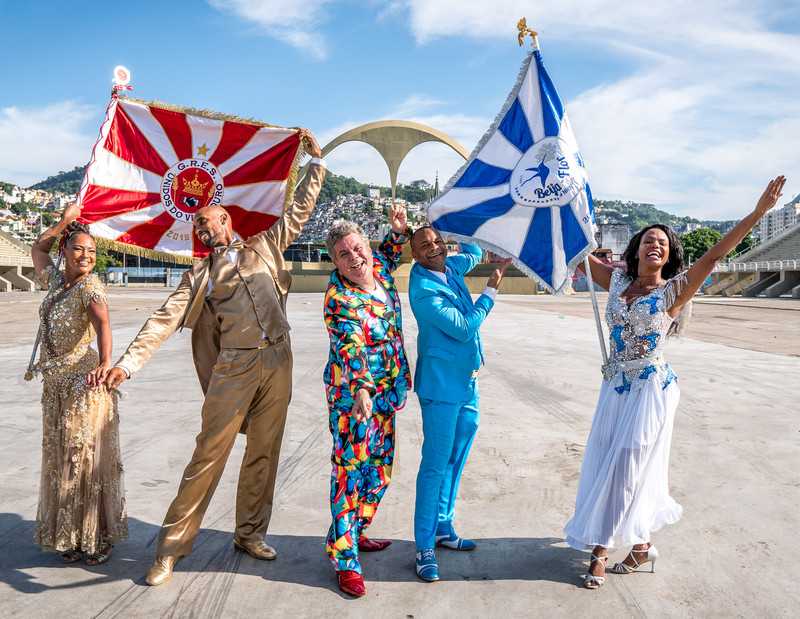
(213, 226)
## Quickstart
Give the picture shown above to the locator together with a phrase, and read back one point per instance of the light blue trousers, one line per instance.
(448, 429)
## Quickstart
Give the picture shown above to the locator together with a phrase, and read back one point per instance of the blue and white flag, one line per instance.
(524, 191)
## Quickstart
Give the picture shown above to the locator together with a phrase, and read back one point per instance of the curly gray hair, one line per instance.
(340, 229)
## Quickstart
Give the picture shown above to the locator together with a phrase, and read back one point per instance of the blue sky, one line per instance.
(690, 105)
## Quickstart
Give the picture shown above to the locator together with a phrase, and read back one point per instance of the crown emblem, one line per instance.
(195, 187)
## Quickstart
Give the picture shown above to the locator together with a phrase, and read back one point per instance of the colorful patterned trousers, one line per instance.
(362, 458)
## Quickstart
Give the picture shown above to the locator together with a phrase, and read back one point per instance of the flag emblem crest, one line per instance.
(524, 191)
(190, 185)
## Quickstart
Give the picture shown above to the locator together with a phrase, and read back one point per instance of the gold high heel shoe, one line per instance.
(624, 568)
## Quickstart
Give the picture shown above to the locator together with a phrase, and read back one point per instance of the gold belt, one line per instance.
(266, 342)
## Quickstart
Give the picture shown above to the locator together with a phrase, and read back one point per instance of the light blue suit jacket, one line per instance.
(449, 342)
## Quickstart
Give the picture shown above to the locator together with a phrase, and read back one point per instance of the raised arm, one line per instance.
(601, 272)
(284, 231)
(701, 269)
(40, 250)
(467, 259)
(437, 310)
(391, 248)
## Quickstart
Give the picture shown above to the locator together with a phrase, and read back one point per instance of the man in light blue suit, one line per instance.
(449, 354)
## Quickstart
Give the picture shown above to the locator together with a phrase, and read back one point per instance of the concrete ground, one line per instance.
(735, 469)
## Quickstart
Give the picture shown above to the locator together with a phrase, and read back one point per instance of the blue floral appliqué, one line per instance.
(616, 336)
(650, 369)
(625, 386)
(637, 333)
(651, 302)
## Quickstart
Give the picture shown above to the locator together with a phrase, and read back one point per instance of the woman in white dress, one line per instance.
(623, 492)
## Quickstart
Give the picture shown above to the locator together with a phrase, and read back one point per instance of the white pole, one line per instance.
(599, 324)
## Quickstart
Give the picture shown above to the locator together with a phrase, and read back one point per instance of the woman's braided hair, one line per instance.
(74, 229)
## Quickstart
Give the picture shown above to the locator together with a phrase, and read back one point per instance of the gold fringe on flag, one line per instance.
(135, 250)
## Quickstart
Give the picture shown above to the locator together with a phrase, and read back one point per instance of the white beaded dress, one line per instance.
(623, 492)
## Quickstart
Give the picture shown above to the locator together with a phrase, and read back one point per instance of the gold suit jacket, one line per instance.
(186, 306)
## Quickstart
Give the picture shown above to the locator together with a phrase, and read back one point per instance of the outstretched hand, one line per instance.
(497, 276)
(771, 195)
(70, 214)
(115, 377)
(398, 219)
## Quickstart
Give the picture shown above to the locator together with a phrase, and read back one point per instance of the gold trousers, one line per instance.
(247, 386)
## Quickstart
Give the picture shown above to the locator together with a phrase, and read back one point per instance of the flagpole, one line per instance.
(600, 334)
(523, 31)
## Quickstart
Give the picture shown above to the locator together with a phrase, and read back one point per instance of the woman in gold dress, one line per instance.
(81, 510)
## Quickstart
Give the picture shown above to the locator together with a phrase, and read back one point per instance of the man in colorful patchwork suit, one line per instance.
(449, 354)
(366, 381)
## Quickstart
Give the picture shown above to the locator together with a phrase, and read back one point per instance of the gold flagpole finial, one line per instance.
(523, 31)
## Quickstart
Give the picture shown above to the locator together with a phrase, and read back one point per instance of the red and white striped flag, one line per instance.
(153, 167)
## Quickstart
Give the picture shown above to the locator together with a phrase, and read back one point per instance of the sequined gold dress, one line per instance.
(81, 496)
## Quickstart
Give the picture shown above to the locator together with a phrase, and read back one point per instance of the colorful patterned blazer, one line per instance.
(366, 336)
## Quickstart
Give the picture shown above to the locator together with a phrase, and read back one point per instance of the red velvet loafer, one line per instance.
(352, 583)
(373, 545)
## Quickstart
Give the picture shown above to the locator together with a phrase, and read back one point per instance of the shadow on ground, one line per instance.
(301, 560)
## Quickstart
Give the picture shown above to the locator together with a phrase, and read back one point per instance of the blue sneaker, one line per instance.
(454, 542)
(426, 565)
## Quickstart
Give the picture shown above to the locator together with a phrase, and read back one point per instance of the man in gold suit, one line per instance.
(235, 303)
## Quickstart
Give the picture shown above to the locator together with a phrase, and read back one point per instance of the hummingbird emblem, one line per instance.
(540, 171)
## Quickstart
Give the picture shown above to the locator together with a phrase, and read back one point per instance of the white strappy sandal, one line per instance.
(590, 581)
(624, 568)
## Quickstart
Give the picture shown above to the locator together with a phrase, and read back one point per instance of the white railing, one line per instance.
(753, 267)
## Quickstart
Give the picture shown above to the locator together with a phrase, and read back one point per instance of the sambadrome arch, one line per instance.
(394, 139)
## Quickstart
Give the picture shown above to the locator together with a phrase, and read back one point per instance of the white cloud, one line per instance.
(699, 125)
(414, 104)
(295, 23)
(38, 142)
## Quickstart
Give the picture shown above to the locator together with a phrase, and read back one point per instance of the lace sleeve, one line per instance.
(617, 276)
(45, 277)
(673, 288)
(93, 291)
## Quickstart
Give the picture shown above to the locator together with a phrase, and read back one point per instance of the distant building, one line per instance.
(778, 219)
(375, 193)
(691, 226)
(614, 237)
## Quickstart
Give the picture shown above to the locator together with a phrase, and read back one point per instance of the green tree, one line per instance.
(335, 185)
(746, 244)
(104, 260)
(697, 242)
(20, 208)
(67, 182)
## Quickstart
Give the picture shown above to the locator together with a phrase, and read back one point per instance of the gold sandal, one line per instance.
(71, 556)
(100, 557)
